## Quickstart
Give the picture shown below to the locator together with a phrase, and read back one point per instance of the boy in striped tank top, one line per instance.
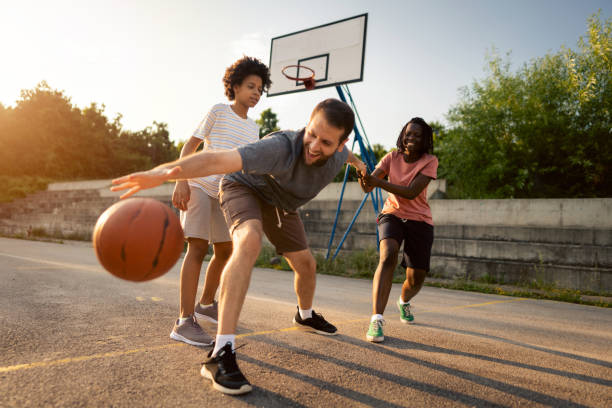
(224, 127)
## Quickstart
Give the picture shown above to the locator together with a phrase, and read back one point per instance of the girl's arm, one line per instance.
(410, 192)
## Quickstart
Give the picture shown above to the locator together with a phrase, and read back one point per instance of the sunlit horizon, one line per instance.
(158, 61)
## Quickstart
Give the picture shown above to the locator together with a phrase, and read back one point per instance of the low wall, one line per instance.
(565, 242)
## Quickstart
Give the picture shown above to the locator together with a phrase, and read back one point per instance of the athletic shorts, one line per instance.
(240, 203)
(204, 218)
(417, 237)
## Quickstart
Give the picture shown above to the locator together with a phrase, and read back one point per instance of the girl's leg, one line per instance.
(413, 283)
(383, 277)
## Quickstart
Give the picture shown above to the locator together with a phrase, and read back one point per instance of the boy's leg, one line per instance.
(222, 253)
(186, 328)
(194, 222)
(190, 274)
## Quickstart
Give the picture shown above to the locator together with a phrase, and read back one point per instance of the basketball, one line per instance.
(138, 239)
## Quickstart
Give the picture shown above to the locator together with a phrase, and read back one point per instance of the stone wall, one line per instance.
(565, 242)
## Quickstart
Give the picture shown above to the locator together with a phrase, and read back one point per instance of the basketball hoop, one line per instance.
(308, 79)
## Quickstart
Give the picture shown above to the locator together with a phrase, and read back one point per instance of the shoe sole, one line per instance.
(231, 391)
(406, 321)
(311, 329)
(374, 339)
(178, 337)
(205, 317)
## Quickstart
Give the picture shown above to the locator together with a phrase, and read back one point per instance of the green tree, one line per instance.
(543, 131)
(267, 122)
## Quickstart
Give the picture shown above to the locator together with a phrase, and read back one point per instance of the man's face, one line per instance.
(321, 140)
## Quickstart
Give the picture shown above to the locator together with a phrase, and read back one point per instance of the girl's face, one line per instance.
(413, 140)
(249, 91)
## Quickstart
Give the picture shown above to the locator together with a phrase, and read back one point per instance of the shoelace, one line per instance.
(406, 308)
(378, 323)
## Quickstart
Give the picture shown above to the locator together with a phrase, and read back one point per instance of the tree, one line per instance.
(543, 131)
(267, 122)
(45, 135)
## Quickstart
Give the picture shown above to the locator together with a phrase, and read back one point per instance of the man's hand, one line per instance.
(181, 195)
(361, 168)
(364, 186)
(144, 180)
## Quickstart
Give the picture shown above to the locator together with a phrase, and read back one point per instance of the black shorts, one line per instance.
(417, 237)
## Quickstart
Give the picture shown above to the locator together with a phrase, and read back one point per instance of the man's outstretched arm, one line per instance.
(201, 164)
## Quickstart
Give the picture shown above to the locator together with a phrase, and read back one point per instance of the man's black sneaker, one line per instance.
(224, 373)
(317, 323)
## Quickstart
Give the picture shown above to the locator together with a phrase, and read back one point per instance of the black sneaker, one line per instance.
(317, 323)
(224, 373)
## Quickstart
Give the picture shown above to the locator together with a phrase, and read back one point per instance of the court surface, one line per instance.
(73, 335)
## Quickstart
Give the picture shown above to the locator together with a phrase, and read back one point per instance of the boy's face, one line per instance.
(249, 91)
(321, 140)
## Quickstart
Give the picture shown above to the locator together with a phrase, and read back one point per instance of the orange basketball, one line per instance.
(138, 239)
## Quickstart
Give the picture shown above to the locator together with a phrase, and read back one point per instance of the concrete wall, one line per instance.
(562, 242)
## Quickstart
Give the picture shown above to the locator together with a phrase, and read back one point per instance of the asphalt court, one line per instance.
(74, 336)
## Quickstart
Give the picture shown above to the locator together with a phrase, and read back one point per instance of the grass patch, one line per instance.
(12, 188)
(362, 265)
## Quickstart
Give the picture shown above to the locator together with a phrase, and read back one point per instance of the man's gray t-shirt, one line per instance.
(274, 167)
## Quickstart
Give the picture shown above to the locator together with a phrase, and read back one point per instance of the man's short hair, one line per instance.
(338, 114)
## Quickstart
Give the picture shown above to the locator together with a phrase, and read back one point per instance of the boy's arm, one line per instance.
(201, 164)
(182, 193)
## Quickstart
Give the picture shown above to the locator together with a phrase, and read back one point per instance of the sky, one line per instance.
(163, 61)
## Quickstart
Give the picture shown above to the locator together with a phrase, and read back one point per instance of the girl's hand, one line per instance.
(143, 180)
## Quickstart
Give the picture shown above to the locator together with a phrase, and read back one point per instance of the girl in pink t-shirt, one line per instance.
(405, 217)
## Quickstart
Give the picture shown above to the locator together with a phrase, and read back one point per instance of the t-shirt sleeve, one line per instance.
(385, 163)
(203, 130)
(269, 155)
(431, 168)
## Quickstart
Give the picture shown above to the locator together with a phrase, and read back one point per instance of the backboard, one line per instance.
(335, 51)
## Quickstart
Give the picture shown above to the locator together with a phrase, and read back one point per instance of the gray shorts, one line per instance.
(284, 229)
(204, 218)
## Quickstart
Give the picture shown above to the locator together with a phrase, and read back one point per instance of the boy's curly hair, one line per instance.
(239, 70)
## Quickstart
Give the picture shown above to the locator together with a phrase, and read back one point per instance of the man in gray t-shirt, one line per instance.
(265, 183)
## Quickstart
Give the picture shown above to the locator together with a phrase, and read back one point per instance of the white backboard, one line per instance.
(335, 51)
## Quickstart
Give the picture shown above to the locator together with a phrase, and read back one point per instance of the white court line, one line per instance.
(61, 264)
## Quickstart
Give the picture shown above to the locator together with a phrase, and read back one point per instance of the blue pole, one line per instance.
(333, 232)
(365, 197)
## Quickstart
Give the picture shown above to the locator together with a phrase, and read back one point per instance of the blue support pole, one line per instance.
(368, 159)
(331, 238)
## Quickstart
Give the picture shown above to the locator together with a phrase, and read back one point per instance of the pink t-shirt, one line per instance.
(402, 173)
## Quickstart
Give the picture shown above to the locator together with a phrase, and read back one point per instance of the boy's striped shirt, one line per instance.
(222, 129)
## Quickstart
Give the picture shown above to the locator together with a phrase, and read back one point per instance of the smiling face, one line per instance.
(413, 140)
(249, 91)
(321, 140)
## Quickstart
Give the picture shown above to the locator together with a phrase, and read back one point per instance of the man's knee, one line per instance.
(247, 237)
(303, 262)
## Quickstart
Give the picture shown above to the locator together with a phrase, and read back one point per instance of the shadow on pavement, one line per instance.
(384, 348)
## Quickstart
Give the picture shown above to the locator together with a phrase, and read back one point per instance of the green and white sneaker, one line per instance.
(375, 332)
(405, 313)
